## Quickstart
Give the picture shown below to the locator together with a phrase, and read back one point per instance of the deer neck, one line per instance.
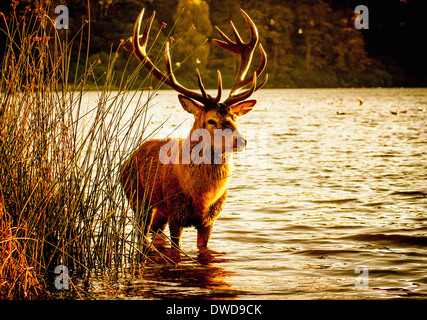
(206, 180)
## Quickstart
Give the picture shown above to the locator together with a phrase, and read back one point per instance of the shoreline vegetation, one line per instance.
(60, 200)
(310, 44)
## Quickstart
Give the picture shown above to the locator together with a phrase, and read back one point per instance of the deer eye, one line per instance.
(212, 122)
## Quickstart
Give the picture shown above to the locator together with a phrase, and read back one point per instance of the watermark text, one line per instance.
(362, 20)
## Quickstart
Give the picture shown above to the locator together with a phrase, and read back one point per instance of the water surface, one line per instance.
(326, 187)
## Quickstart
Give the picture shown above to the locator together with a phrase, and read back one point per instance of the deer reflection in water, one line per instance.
(170, 273)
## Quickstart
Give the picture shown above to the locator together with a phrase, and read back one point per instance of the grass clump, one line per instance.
(60, 201)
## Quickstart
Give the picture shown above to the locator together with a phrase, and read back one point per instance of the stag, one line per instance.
(190, 193)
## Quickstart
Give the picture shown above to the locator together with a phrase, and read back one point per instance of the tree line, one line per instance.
(307, 42)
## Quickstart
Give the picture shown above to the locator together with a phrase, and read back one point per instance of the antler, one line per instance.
(245, 50)
(139, 49)
(138, 44)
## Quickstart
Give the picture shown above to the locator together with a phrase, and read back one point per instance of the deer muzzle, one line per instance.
(239, 143)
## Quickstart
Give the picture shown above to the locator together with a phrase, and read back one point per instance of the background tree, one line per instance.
(189, 44)
(221, 13)
(315, 31)
(309, 43)
(348, 54)
(276, 26)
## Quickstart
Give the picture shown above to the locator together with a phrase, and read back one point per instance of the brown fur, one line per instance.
(182, 195)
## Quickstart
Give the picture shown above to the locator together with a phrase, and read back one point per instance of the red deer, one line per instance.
(190, 193)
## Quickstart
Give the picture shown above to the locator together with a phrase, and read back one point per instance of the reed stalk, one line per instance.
(60, 199)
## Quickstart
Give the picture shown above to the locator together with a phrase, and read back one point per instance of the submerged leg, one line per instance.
(159, 222)
(203, 235)
(145, 222)
(176, 233)
(157, 227)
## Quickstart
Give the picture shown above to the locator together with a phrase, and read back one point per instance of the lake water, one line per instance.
(328, 201)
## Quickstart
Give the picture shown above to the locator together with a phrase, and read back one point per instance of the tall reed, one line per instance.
(60, 201)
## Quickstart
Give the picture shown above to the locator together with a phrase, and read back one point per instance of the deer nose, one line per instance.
(240, 143)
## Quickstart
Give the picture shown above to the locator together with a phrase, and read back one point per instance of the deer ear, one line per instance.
(242, 108)
(189, 105)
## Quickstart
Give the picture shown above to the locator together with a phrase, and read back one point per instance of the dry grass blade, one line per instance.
(60, 201)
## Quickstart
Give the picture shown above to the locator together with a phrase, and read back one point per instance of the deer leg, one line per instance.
(158, 226)
(204, 231)
(203, 235)
(145, 225)
(159, 222)
(143, 217)
(176, 233)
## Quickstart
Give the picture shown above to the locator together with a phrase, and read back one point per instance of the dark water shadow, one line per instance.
(173, 274)
(166, 273)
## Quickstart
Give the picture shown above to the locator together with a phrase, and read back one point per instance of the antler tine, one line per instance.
(236, 34)
(215, 100)
(201, 86)
(254, 31)
(232, 99)
(245, 50)
(138, 43)
(219, 95)
(246, 94)
(204, 98)
(239, 45)
(139, 47)
(260, 69)
(228, 44)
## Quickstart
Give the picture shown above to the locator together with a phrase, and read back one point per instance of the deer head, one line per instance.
(210, 114)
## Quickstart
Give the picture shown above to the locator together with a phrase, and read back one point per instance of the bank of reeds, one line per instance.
(60, 200)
